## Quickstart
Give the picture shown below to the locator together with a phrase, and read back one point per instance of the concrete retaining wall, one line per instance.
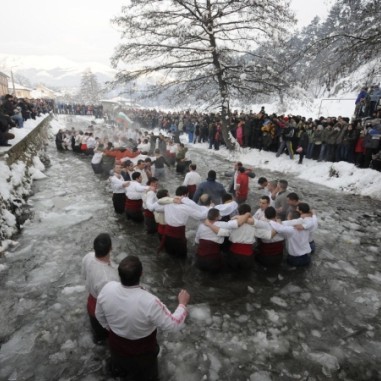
(18, 167)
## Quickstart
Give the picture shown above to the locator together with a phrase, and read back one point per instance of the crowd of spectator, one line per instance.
(79, 109)
(15, 111)
(331, 139)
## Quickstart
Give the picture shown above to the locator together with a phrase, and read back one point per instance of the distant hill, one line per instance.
(53, 71)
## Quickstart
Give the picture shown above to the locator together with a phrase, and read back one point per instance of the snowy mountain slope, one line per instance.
(55, 71)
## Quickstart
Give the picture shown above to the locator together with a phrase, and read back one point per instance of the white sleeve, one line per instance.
(186, 180)
(162, 318)
(101, 316)
(285, 231)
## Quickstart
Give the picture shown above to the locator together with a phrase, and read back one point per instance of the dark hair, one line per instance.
(213, 214)
(181, 191)
(102, 245)
(226, 197)
(293, 196)
(244, 208)
(270, 212)
(304, 207)
(140, 161)
(241, 169)
(130, 270)
(294, 215)
(162, 193)
(152, 180)
(283, 183)
(212, 175)
(267, 198)
(136, 175)
(262, 180)
(193, 167)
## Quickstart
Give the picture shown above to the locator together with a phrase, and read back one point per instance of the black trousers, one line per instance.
(136, 368)
(119, 200)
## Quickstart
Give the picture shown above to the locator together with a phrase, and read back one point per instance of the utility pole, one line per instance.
(13, 84)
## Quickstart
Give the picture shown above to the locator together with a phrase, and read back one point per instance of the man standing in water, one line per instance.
(97, 271)
(132, 316)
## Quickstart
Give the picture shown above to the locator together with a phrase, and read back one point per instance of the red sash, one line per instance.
(91, 304)
(191, 189)
(242, 248)
(161, 229)
(83, 147)
(209, 249)
(170, 231)
(271, 248)
(175, 231)
(147, 213)
(133, 205)
(126, 347)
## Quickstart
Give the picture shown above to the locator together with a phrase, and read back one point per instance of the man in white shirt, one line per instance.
(97, 271)
(242, 240)
(118, 186)
(134, 198)
(176, 218)
(269, 252)
(149, 199)
(209, 240)
(132, 316)
(264, 202)
(191, 180)
(297, 241)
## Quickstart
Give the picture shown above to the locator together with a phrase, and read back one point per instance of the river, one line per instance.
(320, 323)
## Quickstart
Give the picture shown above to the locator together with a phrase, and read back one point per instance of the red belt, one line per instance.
(175, 231)
(208, 249)
(133, 205)
(170, 231)
(91, 304)
(271, 248)
(127, 347)
(161, 229)
(192, 188)
(242, 248)
(147, 213)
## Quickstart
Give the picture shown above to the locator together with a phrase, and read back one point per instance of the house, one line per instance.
(20, 91)
(42, 91)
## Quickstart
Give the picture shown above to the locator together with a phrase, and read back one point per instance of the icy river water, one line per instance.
(320, 323)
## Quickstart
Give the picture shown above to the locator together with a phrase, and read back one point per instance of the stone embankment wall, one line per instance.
(19, 166)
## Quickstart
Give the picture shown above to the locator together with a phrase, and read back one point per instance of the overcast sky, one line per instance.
(80, 30)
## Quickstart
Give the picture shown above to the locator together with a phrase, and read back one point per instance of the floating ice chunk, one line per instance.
(315, 333)
(13, 376)
(290, 289)
(272, 315)
(68, 345)
(3, 267)
(58, 357)
(375, 278)
(260, 376)
(329, 363)
(200, 313)
(278, 301)
(215, 366)
(73, 289)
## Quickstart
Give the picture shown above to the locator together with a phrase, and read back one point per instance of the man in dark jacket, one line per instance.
(211, 187)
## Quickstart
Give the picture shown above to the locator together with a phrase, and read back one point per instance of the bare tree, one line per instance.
(204, 49)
